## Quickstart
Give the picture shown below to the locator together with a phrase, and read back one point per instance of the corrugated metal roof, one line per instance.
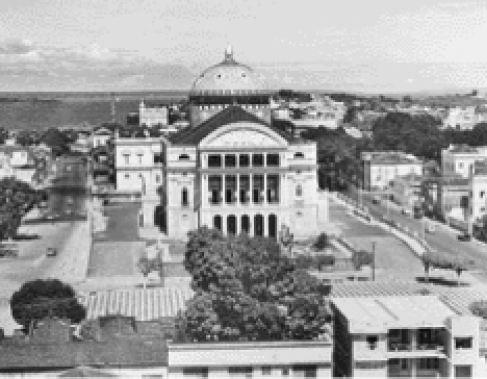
(144, 305)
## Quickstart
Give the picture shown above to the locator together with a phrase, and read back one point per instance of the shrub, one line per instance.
(303, 262)
(479, 308)
(322, 242)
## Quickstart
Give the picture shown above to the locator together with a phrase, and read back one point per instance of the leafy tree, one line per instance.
(247, 290)
(362, 258)
(38, 299)
(432, 259)
(322, 242)
(479, 308)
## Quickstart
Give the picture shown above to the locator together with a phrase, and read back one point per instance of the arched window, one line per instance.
(184, 157)
(299, 155)
(299, 190)
(184, 197)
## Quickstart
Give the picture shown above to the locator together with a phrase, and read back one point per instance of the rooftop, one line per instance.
(382, 313)
(390, 157)
(462, 149)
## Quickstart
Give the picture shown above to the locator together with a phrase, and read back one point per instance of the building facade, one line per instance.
(277, 359)
(381, 168)
(150, 115)
(408, 336)
(232, 170)
(458, 159)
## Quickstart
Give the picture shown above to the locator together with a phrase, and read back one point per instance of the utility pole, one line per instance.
(373, 261)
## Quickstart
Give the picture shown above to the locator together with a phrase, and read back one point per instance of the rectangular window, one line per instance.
(428, 364)
(463, 371)
(257, 160)
(195, 372)
(266, 370)
(304, 371)
(372, 342)
(127, 176)
(230, 160)
(158, 178)
(463, 342)
(244, 160)
(140, 158)
(240, 372)
(273, 160)
(214, 161)
(126, 158)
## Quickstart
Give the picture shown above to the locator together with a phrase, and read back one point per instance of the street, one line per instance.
(442, 240)
(67, 194)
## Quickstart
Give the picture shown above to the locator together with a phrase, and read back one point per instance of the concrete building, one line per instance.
(404, 336)
(477, 203)
(139, 170)
(406, 190)
(458, 159)
(461, 118)
(228, 83)
(101, 136)
(381, 168)
(150, 115)
(276, 359)
(234, 171)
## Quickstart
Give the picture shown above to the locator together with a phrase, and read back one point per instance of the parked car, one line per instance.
(464, 237)
(51, 252)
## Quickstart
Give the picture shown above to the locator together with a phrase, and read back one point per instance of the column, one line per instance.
(251, 188)
(222, 193)
(238, 189)
(265, 189)
(204, 192)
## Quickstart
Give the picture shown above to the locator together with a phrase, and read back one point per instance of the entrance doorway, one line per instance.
(217, 222)
(272, 226)
(231, 225)
(245, 224)
(259, 225)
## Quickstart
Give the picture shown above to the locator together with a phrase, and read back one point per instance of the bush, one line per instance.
(303, 262)
(479, 308)
(322, 242)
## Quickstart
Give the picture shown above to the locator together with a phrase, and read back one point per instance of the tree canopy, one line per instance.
(16, 199)
(38, 299)
(247, 290)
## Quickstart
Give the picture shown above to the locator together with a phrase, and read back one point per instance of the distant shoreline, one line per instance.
(90, 96)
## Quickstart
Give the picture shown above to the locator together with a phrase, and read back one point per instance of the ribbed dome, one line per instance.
(228, 77)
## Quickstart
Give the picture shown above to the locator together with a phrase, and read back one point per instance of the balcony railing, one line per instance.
(425, 346)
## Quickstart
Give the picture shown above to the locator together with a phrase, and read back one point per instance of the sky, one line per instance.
(372, 46)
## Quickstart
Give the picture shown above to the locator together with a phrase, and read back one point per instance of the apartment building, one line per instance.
(381, 168)
(458, 159)
(404, 336)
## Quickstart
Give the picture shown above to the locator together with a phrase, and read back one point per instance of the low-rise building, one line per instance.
(151, 114)
(404, 336)
(477, 203)
(458, 159)
(406, 190)
(276, 359)
(381, 168)
(461, 118)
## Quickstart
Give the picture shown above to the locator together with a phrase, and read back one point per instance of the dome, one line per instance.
(228, 77)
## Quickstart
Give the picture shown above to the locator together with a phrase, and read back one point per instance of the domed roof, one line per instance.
(228, 77)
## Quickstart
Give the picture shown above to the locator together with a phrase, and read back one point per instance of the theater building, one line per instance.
(230, 169)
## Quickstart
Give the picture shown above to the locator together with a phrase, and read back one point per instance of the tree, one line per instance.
(247, 290)
(322, 242)
(39, 299)
(432, 259)
(479, 308)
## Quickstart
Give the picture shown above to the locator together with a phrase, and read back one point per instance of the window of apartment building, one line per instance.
(157, 158)
(372, 341)
(195, 372)
(304, 371)
(299, 155)
(140, 157)
(184, 157)
(266, 370)
(158, 178)
(428, 364)
(240, 372)
(481, 194)
(126, 158)
(463, 342)
(463, 371)
(214, 161)
(127, 176)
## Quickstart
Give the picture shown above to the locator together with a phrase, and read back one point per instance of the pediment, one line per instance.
(242, 135)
